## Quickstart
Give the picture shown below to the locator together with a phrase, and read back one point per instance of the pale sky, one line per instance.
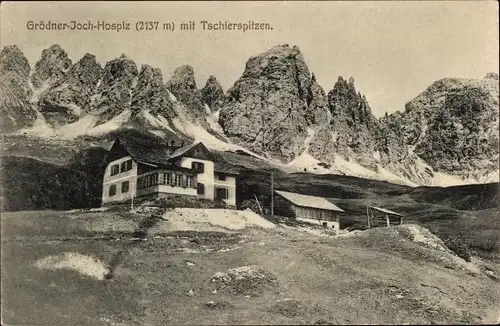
(394, 50)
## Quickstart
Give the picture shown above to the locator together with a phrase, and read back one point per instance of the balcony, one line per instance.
(164, 181)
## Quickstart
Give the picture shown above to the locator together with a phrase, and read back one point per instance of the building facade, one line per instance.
(135, 172)
(311, 209)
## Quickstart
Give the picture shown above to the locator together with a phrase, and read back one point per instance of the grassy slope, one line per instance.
(49, 150)
(32, 184)
(377, 277)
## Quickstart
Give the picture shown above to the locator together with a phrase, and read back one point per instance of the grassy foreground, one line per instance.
(373, 277)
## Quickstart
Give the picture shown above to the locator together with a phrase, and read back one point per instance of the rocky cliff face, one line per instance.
(151, 94)
(266, 108)
(16, 110)
(351, 112)
(462, 137)
(51, 67)
(452, 126)
(318, 112)
(114, 92)
(212, 94)
(183, 87)
(70, 96)
(277, 104)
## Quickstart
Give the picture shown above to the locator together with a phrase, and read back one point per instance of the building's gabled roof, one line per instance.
(197, 150)
(309, 201)
(161, 154)
(183, 150)
(387, 211)
(145, 150)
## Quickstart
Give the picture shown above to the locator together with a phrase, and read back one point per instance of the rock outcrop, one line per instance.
(151, 94)
(212, 94)
(114, 92)
(353, 123)
(318, 112)
(265, 109)
(51, 67)
(69, 98)
(183, 87)
(16, 109)
(463, 135)
(452, 126)
(277, 104)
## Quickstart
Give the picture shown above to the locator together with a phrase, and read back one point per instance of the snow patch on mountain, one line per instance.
(36, 92)
(159, 121)
(75, 109)
(172, 96)
(199, 134)
(77, 128)
(39, 128)
(113, 124)
(207, 109)
(306, 163)
(386, 175)
(213, 122)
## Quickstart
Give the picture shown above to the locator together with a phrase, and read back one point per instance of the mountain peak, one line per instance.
(266, 108)
(16, 111)
(150, 94)
(183, 86)
(13, 61)
(492, 75)
(51, 67)
(184, 76)
(212, 93)
(11, 50)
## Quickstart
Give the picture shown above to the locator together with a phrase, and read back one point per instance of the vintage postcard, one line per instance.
(249, 162)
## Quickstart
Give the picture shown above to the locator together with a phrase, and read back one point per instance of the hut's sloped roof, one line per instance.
(387, 211)
(309, 201)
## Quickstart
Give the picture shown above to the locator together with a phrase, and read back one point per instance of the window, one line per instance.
(200, 189)
(190, 181)
(115, 169)
(198, 167)
(221, 193)
(126, 166)
(178, 180)
(112, 190)
(125, 186)
(168, 178)
(222, 177)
